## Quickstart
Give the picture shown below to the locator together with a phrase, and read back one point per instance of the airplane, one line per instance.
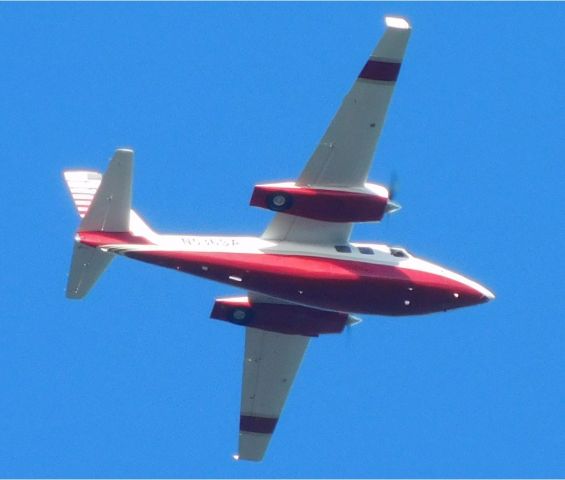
(303, 277)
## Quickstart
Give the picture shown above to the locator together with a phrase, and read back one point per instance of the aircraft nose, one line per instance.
(485, 293)
(474, 293)
(489, 295)
(466, 292)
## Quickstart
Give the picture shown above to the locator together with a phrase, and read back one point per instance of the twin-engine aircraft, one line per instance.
(303, 277)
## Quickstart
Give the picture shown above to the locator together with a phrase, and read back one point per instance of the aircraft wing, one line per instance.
(345, 153)
(270, 364)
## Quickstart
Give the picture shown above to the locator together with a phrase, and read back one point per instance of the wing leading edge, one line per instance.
(345, 153)
(270, 364)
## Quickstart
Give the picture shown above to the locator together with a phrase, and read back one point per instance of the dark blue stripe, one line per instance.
(248, 423)
(379, 70)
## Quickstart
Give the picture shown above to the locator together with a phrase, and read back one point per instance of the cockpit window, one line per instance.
(343, 248)
(399, 252)
(366, 250)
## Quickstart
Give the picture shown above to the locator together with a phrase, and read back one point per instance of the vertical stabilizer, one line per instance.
(110, 207)
(104, 202)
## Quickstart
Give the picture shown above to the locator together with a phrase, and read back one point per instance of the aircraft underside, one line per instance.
(317, 281)
(340, 285)
(303, 277)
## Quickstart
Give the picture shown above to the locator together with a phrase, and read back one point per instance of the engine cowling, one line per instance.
(280, 317)
(368, 204)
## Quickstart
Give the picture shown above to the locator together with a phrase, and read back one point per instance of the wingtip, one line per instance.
(397, 22)
(127, 150)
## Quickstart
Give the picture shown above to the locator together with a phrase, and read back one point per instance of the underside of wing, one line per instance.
(345, 153)
(289, 228)
(270, 364)
(343, 157)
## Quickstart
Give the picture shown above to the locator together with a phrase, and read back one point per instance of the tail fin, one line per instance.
(104, 204)
(109, 210)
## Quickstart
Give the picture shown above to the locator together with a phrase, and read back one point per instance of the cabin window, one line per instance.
(398, 252)
(343, 248)
(366, 250)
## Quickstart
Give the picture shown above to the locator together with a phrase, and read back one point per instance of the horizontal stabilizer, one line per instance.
(83, 185)
(87, 265)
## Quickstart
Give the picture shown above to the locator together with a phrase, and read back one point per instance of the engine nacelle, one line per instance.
(280, 317)
(330, 205)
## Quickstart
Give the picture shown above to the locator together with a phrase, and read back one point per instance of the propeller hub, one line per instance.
(392, 207)
(352, 320)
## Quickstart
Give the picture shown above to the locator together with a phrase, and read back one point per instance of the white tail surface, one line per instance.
(83, 185)
(104, 204)
(110, 207)
(87, 265)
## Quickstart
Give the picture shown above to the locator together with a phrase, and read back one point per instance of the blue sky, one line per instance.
(136, 380)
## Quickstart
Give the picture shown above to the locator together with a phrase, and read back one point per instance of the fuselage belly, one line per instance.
(332, 284)
(316, 276)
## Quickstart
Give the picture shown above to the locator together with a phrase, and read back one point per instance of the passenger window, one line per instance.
(343, 248)
(398, 252)
(366, 250)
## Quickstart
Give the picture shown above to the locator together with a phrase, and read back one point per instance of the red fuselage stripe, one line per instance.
(343, 285)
